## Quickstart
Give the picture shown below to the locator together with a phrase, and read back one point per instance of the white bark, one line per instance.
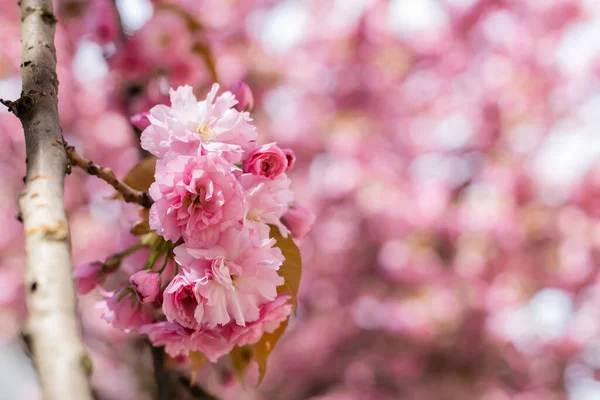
(52, 329)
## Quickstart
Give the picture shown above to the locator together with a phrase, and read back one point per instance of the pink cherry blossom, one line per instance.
(213, 343)
(271, 316)
(267, 200)
(299, 220)
(140, 120)
(193, 194)
(122, 312)
(180, 303)
(233, 279)
(189, 126)
(243, 94)
(173, 336)
(164, 35)
(291, 158)
(185, 69)
(146, 285)
(103, 20)
(87, 276)
(267, 160)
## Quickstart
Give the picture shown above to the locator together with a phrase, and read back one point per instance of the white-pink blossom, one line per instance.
(195, 197)
(232, 279)
(192, 127)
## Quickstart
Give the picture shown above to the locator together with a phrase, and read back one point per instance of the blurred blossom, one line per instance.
(243, 94)
(448, 150)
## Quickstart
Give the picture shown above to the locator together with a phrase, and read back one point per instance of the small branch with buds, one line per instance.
(130, 195)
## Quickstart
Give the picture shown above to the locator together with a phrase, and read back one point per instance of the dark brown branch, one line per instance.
(163, 380)
(130, 195)
(195, 391)
(170, 384)
(11, 105)
(52, 327)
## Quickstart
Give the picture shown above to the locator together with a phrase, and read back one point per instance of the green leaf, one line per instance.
(141, 176)
(291, 269)
(263, 348)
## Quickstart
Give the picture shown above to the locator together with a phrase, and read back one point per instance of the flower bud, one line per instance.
(140, 121)
(146, 285)
(267, 160)
(291, 158)
(299, 220)
(243, 95)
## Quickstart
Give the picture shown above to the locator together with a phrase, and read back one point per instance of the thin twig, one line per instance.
(130, 195)
(52, 328)
(11, 105)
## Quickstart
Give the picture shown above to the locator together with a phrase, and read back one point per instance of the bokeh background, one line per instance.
(450, 149)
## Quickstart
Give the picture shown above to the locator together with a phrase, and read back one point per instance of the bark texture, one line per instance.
(52, 328)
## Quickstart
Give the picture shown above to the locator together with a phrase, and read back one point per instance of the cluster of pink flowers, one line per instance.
(215, 193)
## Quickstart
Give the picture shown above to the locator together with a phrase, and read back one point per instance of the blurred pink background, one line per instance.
(450, 149)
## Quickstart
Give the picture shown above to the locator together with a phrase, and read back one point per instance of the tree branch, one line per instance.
(60, 357)
(163, 379)
(130, 195)
(170, 384)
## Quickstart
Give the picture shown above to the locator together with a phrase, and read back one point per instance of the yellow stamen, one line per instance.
(205, 131)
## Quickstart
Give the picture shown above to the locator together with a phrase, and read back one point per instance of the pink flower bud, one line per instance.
(140, 120)
(87, 276)
(291, 158)
(146, 285)
(243, 95)
(267, 160)
(299, 220)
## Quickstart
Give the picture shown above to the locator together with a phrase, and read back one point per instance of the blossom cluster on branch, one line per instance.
(211, 279)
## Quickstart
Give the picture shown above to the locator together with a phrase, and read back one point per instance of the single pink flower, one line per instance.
(180, 304)
(173, 336)
(267, 160)
(146, 285)
(243, 94)
(291, 158)
(272, 314)
(267, 200)
(130, 62)
(191, 127)
(87, 276)
(178, 340)
(163, 37)
(123, 312)
(234, 278)
(185, 69)
(213, 343)
(299, 220)
(194, 194)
